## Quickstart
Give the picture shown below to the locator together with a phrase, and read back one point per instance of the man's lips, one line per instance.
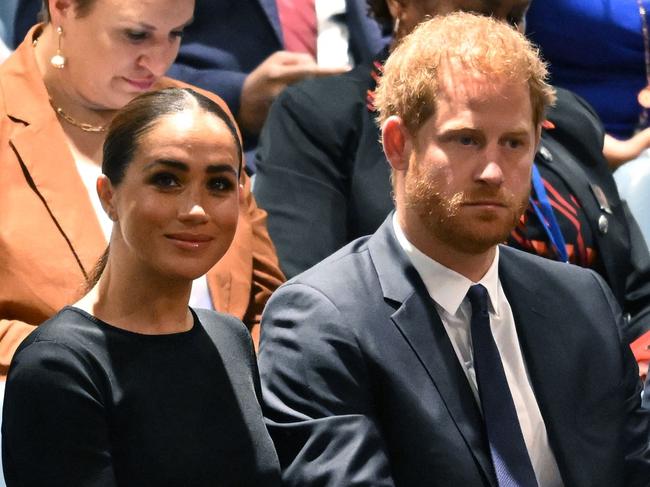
(485, 203)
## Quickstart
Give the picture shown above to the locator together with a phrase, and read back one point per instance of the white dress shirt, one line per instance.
(448, 289)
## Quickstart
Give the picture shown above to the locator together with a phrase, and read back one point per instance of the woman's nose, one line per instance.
(192, 211)
(158, 59)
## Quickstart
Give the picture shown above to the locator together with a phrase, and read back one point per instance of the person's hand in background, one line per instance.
(265, 82)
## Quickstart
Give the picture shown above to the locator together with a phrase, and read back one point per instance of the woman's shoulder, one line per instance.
(70, 328)
(62, 327)
(226, 331)
(64, 344)
(222, 323)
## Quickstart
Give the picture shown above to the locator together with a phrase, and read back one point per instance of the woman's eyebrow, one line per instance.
(181, 166)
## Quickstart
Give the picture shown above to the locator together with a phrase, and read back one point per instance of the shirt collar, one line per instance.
(450, 295)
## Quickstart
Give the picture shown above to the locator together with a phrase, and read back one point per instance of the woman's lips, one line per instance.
(141, 84)
(190, 241)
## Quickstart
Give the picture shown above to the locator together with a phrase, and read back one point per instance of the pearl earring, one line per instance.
(58, 60)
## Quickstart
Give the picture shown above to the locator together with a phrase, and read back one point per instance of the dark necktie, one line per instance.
(509, 454)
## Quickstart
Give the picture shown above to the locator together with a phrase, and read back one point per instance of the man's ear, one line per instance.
(106, 195)
(397, 143)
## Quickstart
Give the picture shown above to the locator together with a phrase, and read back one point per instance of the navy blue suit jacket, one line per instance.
(362, 386)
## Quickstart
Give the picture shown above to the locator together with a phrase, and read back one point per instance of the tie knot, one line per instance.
(478, 297)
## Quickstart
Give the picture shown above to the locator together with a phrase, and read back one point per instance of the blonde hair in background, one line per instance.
(475, 44)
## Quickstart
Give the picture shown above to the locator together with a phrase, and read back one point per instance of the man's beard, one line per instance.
(442, 213)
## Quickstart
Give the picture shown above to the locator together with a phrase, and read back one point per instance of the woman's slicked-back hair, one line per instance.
(81, 8)
(142, 113)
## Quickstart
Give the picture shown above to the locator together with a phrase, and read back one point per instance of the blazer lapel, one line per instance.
(271, 10)
(420, 325)
(541, 323)
(53, 178)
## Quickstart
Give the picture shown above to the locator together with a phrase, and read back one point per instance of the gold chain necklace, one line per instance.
(86, 127)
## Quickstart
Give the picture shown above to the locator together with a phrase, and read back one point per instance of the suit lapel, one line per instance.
(271, 10)
(541, 323)
(420, 325)
(53, 178)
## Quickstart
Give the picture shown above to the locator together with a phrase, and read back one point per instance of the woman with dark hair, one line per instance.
(130, 386)
(58, 92)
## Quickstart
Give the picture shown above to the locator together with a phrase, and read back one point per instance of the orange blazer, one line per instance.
(50, 237)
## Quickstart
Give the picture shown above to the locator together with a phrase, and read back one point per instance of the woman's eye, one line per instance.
(136, 36)
(164, 180)
(220, 184)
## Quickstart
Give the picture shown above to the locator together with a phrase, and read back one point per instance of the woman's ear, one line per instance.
(242, 198)
(106, 195)
(59, 10)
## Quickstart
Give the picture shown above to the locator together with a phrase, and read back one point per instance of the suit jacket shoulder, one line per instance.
(362, 343)
(320, 146)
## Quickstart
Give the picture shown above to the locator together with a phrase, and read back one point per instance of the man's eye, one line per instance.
(466, 140)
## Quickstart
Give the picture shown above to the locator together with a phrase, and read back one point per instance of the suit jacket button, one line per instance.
(603, 224)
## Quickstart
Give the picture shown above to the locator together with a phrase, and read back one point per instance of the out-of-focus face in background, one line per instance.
(412, 12)
(120, 48)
